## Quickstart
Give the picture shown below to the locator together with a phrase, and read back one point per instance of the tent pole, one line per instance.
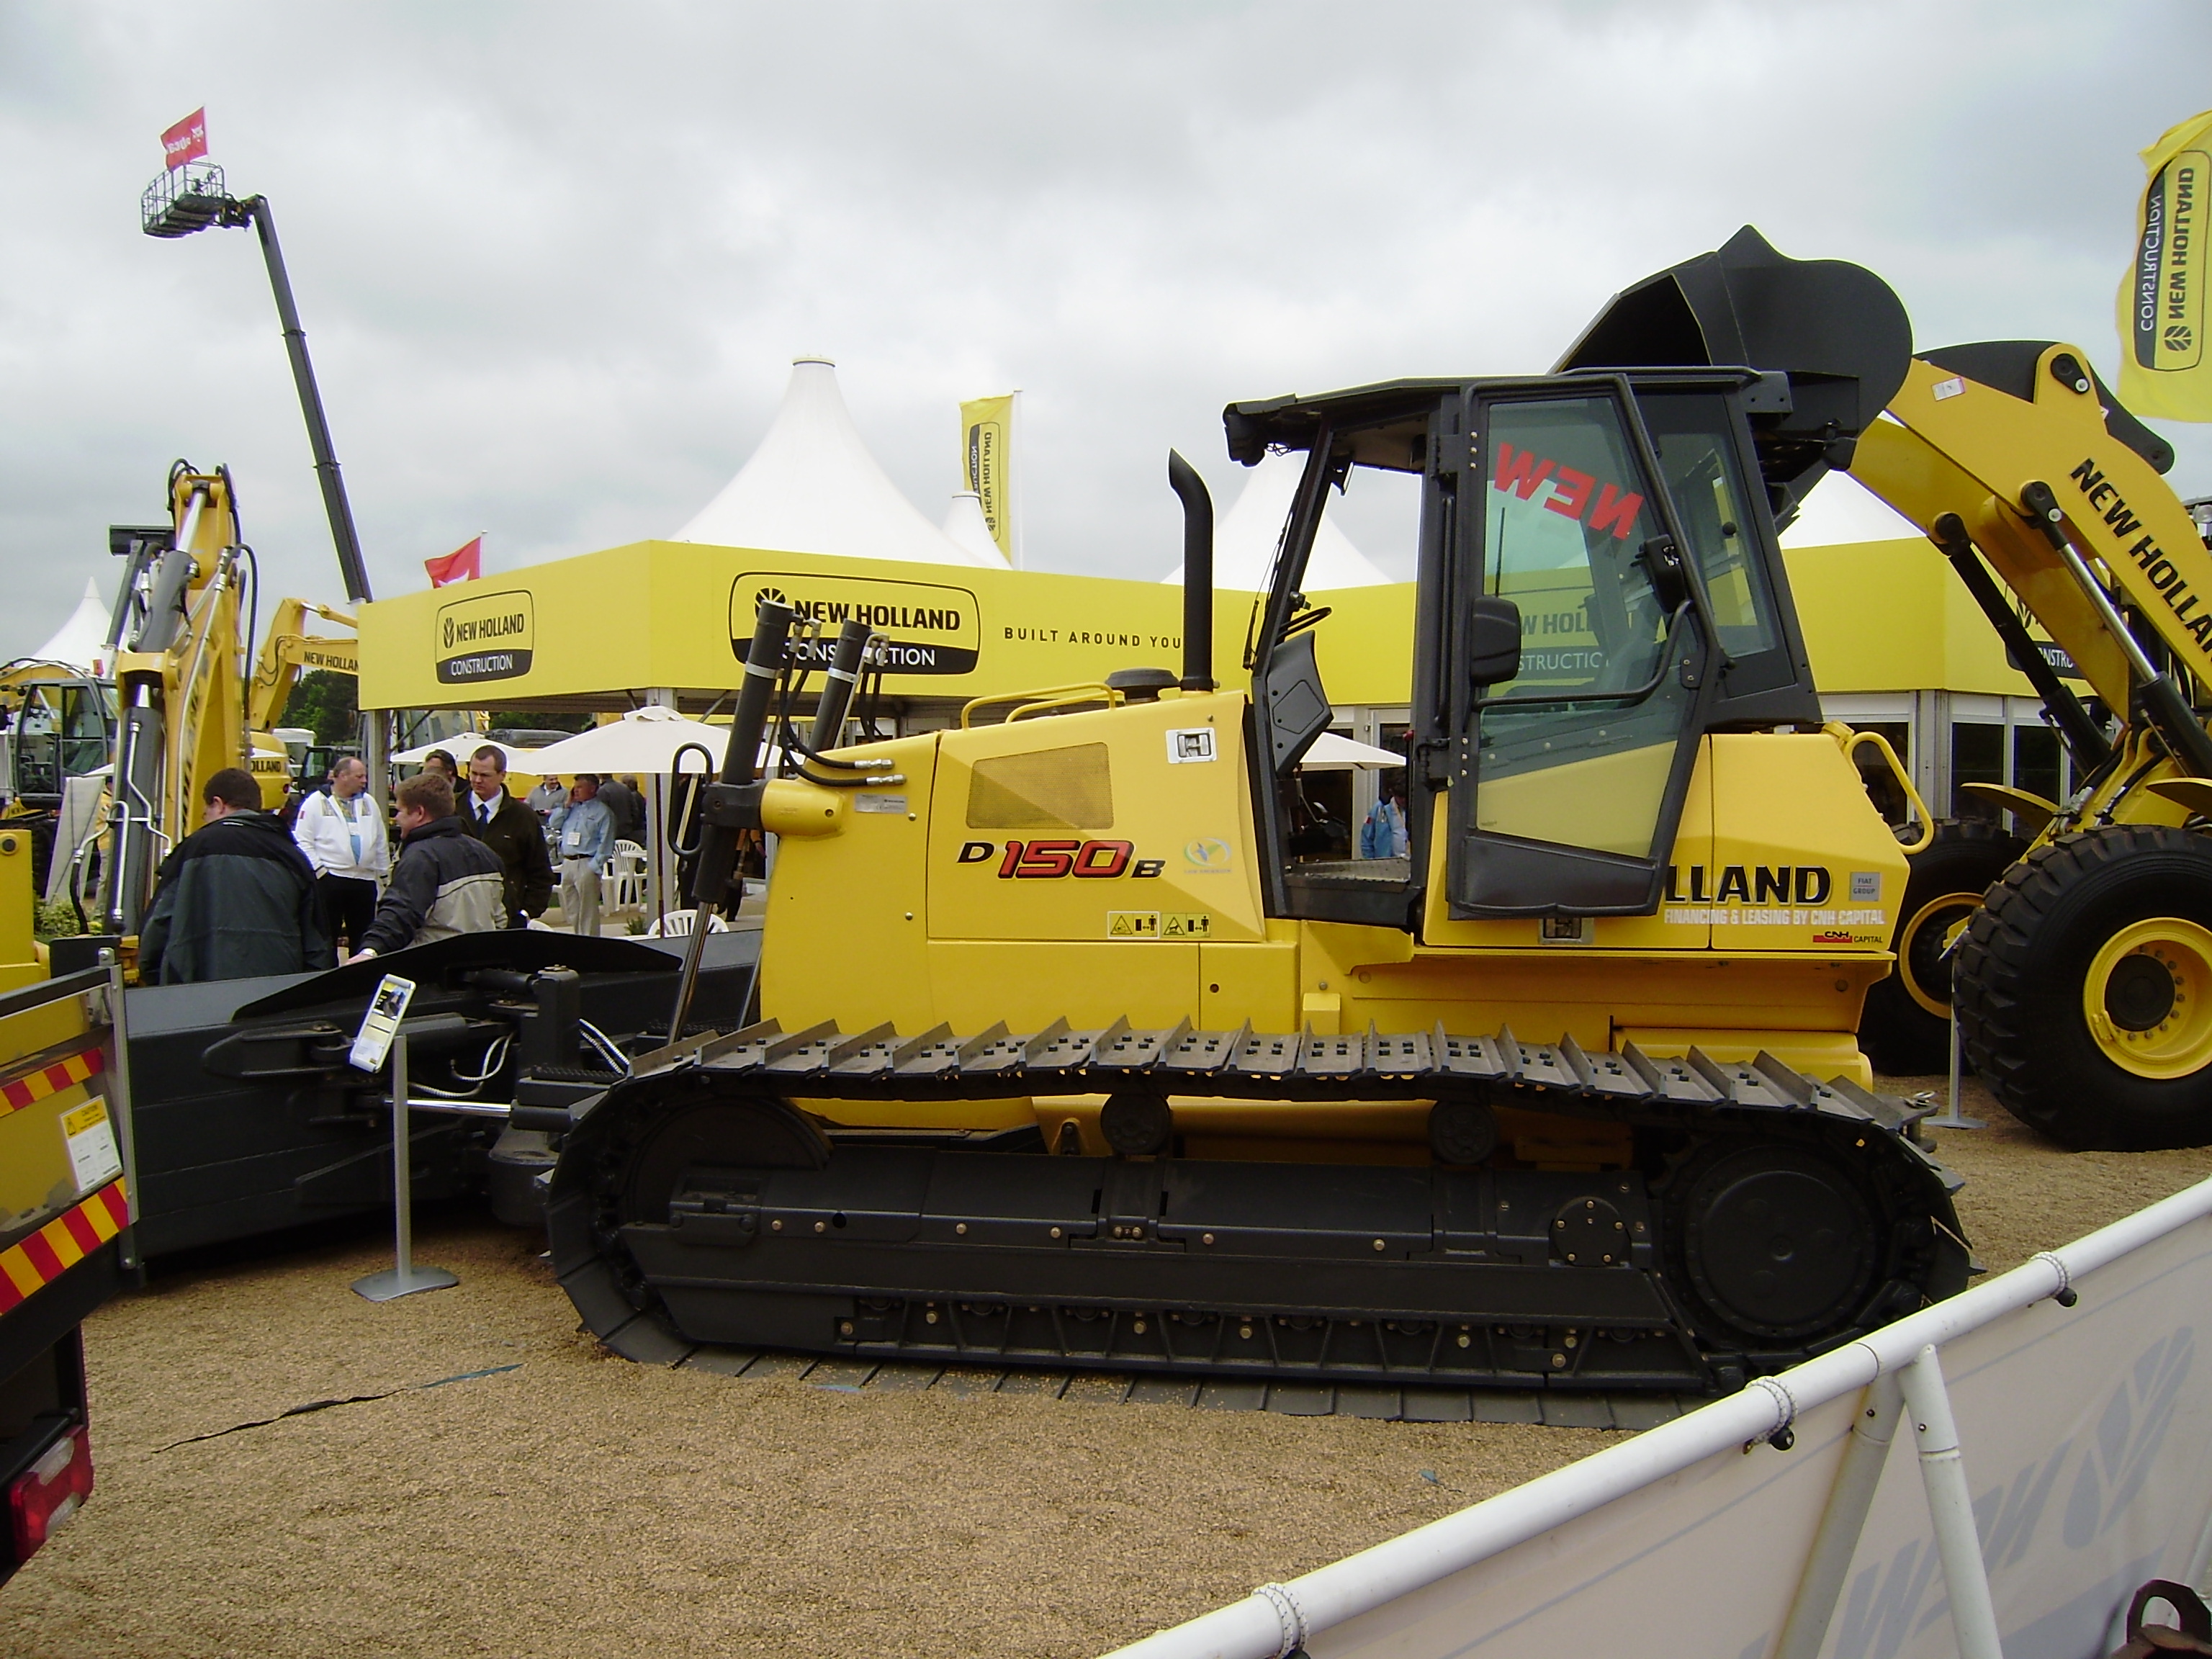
(656, 812)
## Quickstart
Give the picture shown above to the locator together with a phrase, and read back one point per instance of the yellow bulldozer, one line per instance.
(1075, 1052)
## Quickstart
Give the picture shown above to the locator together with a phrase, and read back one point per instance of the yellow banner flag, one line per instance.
(986, 426)
(2163, 370)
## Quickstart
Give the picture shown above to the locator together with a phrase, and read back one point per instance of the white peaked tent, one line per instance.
(1246, 536)
(965, 523)
(813, 487)
(82, 641)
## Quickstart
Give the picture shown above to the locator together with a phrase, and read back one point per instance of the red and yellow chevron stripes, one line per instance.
(63, 1073)
(63, 1242)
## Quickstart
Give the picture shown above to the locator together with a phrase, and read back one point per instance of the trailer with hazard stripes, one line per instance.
(64, 1239)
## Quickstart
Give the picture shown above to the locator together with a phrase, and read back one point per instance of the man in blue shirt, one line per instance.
(587, 841)
(1383, 835)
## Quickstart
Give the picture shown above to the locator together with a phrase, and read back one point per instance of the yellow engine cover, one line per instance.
(1100, 865)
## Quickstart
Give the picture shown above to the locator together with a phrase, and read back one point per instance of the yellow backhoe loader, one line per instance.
(1075, 1053)
(187, 706)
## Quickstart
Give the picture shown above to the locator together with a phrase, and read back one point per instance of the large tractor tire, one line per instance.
(2085, 989)
(1906, 1028)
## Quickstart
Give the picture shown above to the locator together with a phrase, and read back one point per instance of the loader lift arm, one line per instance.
(2012, 451)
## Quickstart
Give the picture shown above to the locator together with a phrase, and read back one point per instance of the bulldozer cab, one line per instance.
(1599, 586)
(1619, 516)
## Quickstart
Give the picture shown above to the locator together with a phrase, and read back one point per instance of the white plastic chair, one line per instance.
(677, 924)
(623, 886)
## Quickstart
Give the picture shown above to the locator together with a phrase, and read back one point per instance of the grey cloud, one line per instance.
(554, 259)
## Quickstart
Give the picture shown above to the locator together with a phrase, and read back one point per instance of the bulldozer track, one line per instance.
(1245, 1063)
(695, 1207)
(1559, 1410)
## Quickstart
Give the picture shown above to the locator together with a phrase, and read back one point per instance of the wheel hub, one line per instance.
(2140, 994)
(2148, 998)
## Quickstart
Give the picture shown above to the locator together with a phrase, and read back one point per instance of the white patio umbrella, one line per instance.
(462, 748)
(643, 740)
(1331, 753)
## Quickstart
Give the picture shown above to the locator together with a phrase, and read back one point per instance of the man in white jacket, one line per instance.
(343, 835)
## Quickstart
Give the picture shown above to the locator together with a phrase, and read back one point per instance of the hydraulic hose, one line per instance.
(836, 698)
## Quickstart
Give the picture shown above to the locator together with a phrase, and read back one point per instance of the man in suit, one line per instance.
(510, 829)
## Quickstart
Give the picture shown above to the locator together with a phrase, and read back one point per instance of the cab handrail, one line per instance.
(1044, 700)
(1848, 740)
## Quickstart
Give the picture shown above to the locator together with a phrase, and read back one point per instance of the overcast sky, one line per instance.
(554, 260)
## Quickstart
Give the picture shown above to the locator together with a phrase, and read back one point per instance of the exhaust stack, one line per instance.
(1197, 574)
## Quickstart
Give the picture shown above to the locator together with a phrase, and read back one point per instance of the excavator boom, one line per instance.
(288, 652)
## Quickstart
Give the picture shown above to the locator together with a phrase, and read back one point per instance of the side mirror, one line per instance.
(1662, 562)
(1493, 641)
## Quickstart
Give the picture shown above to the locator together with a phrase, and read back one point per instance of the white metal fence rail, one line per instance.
(1774, 1521)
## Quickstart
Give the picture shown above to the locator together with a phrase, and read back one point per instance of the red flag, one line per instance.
(186, 141)
(462, 564)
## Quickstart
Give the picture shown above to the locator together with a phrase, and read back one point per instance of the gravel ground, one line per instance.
(489, 1482)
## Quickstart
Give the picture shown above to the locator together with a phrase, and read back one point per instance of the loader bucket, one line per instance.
(1836, 329)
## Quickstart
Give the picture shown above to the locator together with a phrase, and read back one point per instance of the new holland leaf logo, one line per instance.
(1207, 853)
(2179, 336)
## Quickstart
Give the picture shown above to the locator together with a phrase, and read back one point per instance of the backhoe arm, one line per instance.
(287, 652)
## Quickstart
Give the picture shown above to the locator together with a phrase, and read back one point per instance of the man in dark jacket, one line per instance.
(444, 882)
(510, 829)
(237, 896)
(628, 807)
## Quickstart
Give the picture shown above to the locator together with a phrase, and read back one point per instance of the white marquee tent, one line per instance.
(813, 487)
(82, 641)
(965, 523)
(1245, 538)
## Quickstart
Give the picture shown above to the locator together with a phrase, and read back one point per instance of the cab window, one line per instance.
(1694, 434)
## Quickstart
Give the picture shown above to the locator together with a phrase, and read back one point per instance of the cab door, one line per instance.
(1568, 781)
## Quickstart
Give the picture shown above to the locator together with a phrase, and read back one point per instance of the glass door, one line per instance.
(1570, 777)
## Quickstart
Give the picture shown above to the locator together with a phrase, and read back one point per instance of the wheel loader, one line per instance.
(2084, 976)
(1071, 1056)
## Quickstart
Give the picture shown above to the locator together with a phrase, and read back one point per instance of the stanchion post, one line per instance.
(119, 1094)
(1843, 1521)
(1952, 1117)
(405, 1277)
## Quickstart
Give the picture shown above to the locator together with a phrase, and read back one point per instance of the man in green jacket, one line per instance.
(237, 896)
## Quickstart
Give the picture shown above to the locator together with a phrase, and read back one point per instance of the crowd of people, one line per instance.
(259, 891)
